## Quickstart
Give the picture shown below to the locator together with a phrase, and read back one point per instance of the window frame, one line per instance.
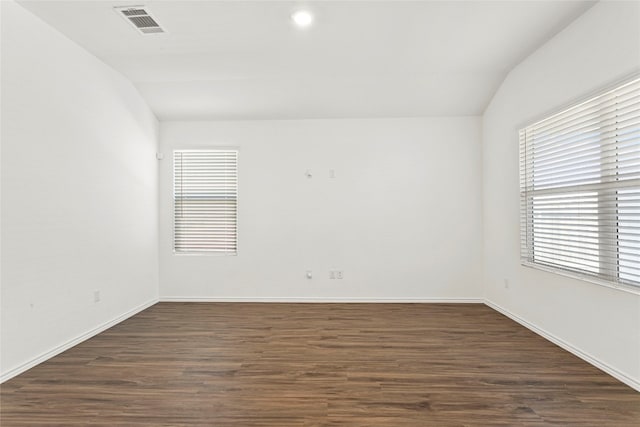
(558, 270)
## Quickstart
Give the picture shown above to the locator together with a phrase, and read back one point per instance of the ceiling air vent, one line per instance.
(141, 19)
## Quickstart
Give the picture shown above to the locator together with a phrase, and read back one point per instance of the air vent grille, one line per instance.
(141, 19)
(134, 12)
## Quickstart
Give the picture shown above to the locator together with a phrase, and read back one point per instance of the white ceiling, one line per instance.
(245, 60)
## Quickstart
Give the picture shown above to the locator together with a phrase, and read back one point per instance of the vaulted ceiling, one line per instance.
(246, 60)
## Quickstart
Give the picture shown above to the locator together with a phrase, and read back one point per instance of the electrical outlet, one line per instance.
(96, 296)
(506, 283)
(335, 274)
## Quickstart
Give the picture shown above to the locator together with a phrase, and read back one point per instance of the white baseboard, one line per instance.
(631, 382)
(324, 300)
(75, 341)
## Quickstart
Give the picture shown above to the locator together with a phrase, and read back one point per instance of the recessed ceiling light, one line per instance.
(302, 18)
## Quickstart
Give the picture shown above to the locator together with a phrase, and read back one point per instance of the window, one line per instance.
(580, 189)
(205, 194)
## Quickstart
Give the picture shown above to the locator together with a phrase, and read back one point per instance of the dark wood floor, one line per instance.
(317, 365)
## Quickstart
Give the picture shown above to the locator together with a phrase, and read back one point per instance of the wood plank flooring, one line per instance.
(236, 364)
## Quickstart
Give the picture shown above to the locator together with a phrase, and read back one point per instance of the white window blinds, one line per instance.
(580, 189)
(205, 191)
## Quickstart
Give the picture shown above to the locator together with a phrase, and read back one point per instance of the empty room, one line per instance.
(320, 213)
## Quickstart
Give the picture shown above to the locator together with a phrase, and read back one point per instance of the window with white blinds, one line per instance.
(205, 194)
(580, 189)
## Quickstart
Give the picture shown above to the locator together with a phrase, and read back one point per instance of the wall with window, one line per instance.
(601, 323)
(395, 204)
(79, 193)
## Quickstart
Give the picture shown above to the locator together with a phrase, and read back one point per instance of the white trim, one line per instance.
(323, 300)
(583, 277)
(73, 342)
(620, 376)
(607, 87)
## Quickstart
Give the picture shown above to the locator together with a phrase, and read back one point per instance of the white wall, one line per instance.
(79, 192)
(600, 47)
(402, 218)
